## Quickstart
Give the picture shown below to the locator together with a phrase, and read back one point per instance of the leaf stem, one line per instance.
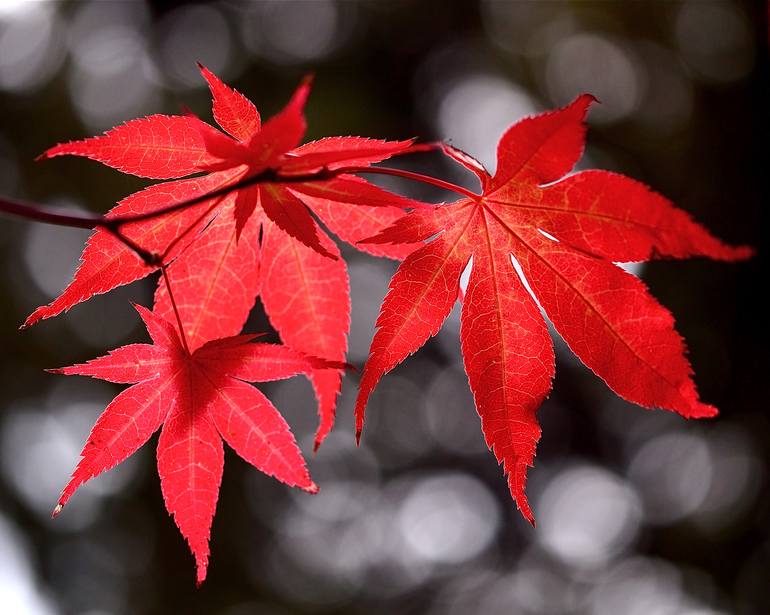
(418, 177)
(150, 258)
(166, 279)
(187, 231)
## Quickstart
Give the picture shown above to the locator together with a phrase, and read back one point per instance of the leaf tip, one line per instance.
(55, 370)
(312, 488)
(201, 568)
(586, 99)
(324, 252)
(57, 510)
(319, 439)
(208, 76)
(703, 411)
(526, 511)
(742, 253)
(187, 112)
(33, 318)
(141, 309)
(308, 80)
(417, 148)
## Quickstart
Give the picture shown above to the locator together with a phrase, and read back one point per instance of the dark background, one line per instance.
(638, 512)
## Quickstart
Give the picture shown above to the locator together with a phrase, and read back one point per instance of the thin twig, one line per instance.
(113, 225)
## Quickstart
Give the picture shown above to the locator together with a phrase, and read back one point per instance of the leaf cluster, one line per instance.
(245, 213)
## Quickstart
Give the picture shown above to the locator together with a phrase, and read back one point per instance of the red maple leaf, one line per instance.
(564, 234)
(257, 239)
(199, 399)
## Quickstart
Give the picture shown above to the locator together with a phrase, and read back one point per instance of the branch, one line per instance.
(35, 213)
